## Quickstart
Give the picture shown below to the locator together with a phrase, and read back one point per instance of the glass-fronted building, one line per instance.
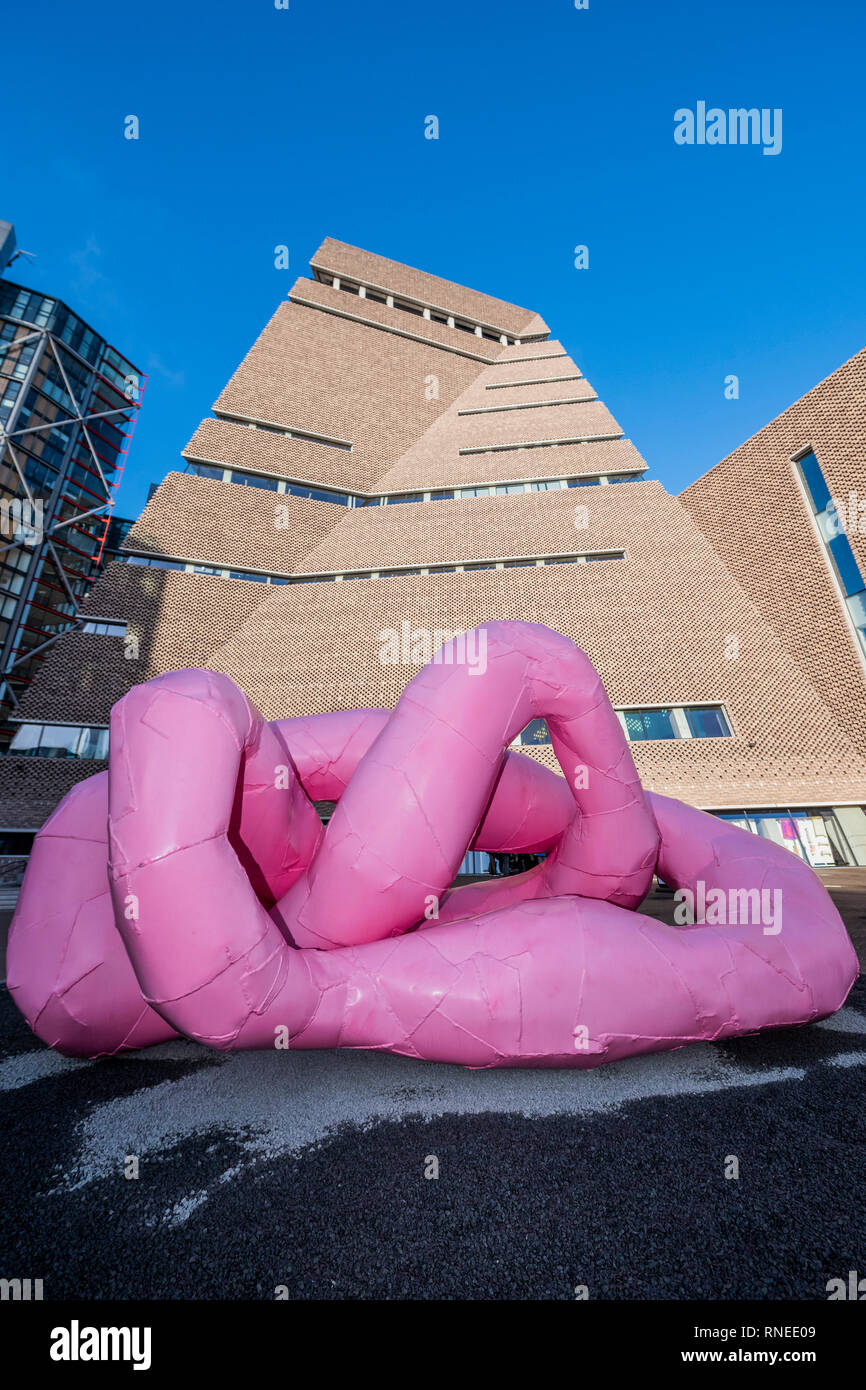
(68, 402)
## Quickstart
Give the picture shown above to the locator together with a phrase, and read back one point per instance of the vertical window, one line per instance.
(831, 524)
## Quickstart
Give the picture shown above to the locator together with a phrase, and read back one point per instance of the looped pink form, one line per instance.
(193, 890)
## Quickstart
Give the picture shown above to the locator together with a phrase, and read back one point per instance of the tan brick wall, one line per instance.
(338, 258)
(403, 408)
(429, 466)
(436, 458)
(214, 522)
(177, 619)
(326, 375)
(434, 462)
(480, 528)
(506, 371)
(489, 391)
(658, 624)
(752, 510)
(395, 322)
(30, 788)
(230, 445)
(646, 623)
(530, 352)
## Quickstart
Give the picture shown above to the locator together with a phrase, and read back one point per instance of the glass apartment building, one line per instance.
(68, 402)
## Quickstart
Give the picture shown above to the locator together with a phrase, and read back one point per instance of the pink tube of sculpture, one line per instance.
(216, 908)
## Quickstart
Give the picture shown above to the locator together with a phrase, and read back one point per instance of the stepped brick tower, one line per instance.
(399, 457)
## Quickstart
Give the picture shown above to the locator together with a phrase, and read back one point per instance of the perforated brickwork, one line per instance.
(327, 375)
(752, 509)
(203, 519)
(750, 621)
(175, 619)
(654, 639)
(338, 258)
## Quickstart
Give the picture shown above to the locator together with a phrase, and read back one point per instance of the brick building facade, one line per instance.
(438, 448)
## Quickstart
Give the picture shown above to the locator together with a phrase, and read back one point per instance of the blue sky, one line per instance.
(261, 127)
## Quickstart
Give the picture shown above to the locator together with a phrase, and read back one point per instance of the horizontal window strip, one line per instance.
(389, 572)
(397, 332)
(538, 357)
(165, 562)
(102, 627)
(674, 721)
(540, 444)
(526, 405)
(537, 381)
(420, 308)
(653, 722)
(59, 741)
(546, 485)
(267, 482)
(517, 562)
(287, 431)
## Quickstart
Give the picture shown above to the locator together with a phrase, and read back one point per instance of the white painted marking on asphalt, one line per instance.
(180, 1213)
(278, 1103)
(845, 1021)
(26, 1067)
(848, 1059)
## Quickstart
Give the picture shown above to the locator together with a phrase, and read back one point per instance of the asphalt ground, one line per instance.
(305, 1172)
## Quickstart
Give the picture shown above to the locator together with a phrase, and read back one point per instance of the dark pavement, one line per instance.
(305, 1171)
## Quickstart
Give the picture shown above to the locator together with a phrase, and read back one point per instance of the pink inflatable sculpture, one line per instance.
(192, 890)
